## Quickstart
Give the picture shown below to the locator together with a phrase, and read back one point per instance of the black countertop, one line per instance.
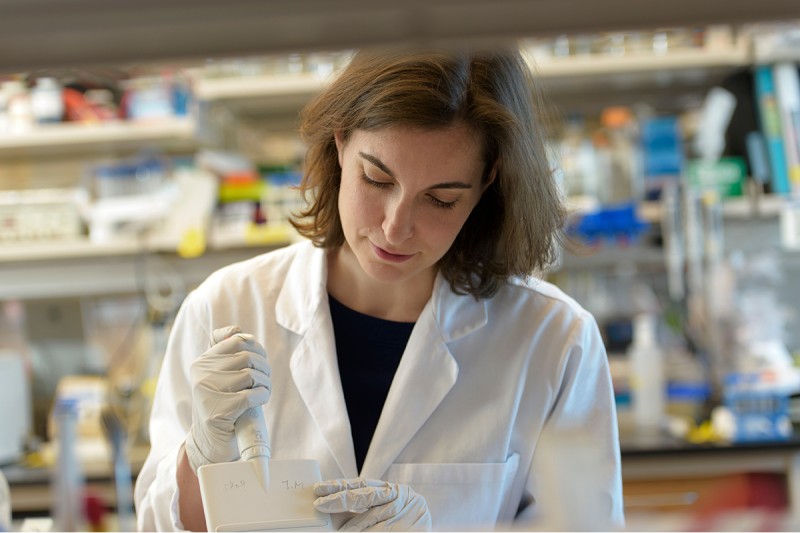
(632, 445)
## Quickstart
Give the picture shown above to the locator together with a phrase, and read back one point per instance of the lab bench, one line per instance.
(30, 486)
(661, 473)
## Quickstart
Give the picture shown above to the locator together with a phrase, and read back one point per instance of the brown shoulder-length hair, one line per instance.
(517, 225)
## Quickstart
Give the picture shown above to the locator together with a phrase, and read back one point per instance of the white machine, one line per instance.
(256, 494)
(15, 407)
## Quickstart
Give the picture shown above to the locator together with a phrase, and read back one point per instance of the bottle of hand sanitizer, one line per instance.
(648, 387)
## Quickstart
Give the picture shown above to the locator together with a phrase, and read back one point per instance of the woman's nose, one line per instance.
(398, 221)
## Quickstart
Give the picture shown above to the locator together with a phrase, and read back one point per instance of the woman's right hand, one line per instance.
(229, 378)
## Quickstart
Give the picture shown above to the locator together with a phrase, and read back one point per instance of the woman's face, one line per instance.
(405, 194)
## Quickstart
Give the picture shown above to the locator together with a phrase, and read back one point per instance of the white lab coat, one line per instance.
(497, 404)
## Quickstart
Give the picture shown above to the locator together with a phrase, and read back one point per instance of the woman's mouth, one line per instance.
(389, 256)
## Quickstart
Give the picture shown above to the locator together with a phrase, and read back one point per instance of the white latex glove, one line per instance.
(380, 505)
(229, 378)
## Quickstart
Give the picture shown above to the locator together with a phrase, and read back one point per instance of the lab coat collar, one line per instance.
(456, 315)
(304, 289)
(313, 363)
(426, 373)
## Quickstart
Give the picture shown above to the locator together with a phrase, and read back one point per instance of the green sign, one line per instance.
(725, 176)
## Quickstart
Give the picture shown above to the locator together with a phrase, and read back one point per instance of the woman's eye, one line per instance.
(442, 203)
(385, 184)
(378, 184)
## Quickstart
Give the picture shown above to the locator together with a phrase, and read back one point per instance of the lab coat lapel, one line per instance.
(302, 308)
(425, 375)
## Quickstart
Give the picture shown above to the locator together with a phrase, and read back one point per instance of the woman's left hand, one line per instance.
(380, 505)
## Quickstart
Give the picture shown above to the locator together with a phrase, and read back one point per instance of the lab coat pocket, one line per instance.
(460, 496)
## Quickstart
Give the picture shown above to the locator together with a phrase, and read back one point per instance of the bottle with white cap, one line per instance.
(648, 387)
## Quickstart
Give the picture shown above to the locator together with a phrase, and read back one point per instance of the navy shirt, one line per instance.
(369, 350)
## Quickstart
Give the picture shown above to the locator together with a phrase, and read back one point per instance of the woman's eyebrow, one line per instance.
(451, 185)
(377, 162)
(444, 185)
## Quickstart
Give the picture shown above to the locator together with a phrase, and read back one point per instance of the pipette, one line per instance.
(253, 441)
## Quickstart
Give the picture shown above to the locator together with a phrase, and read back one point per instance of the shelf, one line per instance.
(234, 88)
(52, 271)
(608, 258)
(612, 66)
(668, 80)
(767, 206)
(83, 248)
(65, 249)
(260, 96)
(81, 268)
(66, 137)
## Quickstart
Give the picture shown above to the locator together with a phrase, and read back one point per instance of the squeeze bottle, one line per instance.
(648, 388)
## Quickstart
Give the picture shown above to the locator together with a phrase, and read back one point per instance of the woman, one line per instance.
(407, 343)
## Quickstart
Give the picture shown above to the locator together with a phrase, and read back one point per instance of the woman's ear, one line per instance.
(338, 137)
(490, 179)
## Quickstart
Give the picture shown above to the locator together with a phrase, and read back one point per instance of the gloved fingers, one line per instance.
(239, 342)
(387, 517)
(220, 334)
(231, 405)
(370, 518)
(250, 360)
(203, 448)
(232, 376)
(323, 488)
(415, 515)
(257, 396)
(409, 512)
(356, 500)
(226, 381)
(210, 363)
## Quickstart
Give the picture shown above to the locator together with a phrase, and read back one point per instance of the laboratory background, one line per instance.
(143, 145)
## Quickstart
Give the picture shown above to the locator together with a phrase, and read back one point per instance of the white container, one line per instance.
(5, 504)
(15, 410)
(47, 103)
(18, 101)
(648, 386)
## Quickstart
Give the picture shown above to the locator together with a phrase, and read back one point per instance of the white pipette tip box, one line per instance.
(234, 499)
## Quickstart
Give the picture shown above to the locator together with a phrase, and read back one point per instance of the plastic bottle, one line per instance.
(709, 142)
(648, 387)
(47, 104)
(68, 512)
(20, 115)
(577, 159)
(618, 144)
